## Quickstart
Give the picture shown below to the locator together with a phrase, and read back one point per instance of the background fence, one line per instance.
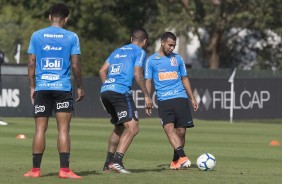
(255, 98)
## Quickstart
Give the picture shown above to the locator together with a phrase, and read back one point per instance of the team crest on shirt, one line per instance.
(173, 61)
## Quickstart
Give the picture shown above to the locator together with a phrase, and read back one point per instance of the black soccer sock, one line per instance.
(118, 158)
(109, 158)
(175, 156)
(36, 159)
(180, 151)
(64, 160)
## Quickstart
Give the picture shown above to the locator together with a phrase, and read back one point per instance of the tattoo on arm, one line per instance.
(76, 70)
(31, 70)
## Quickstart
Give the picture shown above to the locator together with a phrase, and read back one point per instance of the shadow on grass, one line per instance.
(81, 173)
(160, 168)
(166, 166)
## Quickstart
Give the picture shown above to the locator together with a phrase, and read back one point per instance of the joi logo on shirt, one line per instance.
(115, 69)
(51, 63)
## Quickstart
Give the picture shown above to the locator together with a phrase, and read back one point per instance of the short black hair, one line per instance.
(139, 35)
(59, 10)
(167, 35)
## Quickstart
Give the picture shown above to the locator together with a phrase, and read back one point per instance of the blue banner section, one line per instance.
(254, 98)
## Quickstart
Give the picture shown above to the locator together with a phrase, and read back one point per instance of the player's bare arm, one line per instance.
(187, 86)
(139, 78)
(148, 83)
(104, 71)
(75, 64)
(31, 75)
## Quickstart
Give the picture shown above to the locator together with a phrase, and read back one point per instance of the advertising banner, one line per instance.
(254, 98)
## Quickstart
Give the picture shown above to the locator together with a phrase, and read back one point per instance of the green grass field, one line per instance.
(242, 151)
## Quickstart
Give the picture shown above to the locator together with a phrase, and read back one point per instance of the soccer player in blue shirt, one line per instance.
(173, 88)
(117, 74)
(52, 52)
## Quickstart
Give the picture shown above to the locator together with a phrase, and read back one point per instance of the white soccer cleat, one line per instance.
(118, 168)
(184, 162)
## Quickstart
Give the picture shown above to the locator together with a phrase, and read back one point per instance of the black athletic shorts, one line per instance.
(121, 107)
(177, 111)
(47, 101)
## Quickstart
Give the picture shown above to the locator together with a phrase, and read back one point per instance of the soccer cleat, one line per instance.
(184, 162)
(33, 173)
(70, 174)
(118, 168)
(174, 165)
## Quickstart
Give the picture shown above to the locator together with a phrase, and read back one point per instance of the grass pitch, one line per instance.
(242, 152)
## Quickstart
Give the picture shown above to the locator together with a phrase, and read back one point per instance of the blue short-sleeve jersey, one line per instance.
(121, 71)
(166, 72)
(53, 47)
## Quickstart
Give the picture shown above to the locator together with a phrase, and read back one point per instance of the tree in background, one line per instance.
(230, 32)
(102, 25)
(227, 30)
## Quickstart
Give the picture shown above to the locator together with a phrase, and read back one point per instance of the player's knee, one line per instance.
(181, 132)
(134, 129)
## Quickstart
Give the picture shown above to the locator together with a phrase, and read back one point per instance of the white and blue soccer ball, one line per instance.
(206, 162)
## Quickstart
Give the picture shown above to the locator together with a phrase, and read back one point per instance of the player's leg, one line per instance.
(108, 100)
(180, 160)
(63, 140)
(131, 129)
(181, 132)
(112, 145)
(41, 112)
(38, 146)
(63, 108)
(183, 121)
(172, 136)
(169, 117)
(114, 138)
(128, 116)
(39, 141)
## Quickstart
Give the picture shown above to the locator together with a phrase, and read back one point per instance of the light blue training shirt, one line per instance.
(53, 47)
(121, 71)
(166, 72)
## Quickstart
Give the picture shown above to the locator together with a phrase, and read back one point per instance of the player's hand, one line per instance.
(32, 95)
(148, 105)
(148, 112)
(80, 94)
(195, 104)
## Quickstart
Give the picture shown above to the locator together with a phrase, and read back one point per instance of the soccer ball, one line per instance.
(206, 162)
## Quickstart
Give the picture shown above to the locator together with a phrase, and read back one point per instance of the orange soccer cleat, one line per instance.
(70, 174)
(174, 165)
(181, 163)
(34, 173)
